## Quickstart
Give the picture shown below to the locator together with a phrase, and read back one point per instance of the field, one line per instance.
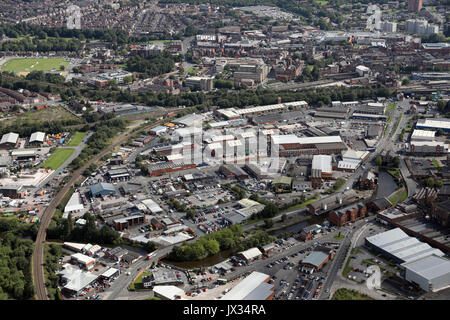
(58, 158)
(33, 64)
(51, 113)
(76, 139)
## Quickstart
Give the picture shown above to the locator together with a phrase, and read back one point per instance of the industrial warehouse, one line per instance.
(423, 265)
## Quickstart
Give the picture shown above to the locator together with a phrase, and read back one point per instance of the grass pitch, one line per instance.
(33, 64)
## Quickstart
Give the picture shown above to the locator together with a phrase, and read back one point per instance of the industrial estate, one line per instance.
(277, 150)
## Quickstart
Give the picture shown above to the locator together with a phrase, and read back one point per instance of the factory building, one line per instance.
(9, 140)
(396, 244)
(13, 191)
(37, 138)
(433, 124)
(423, 135)
(428, 147)
(431, 273)
(123, 223)
(253, 287)
(291, 145)
(167, 167)
(102, 189)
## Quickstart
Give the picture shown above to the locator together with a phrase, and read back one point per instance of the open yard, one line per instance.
(34, 64)
(51, 113)
(347, 294)
(137, 284)
(76, 139)
(58, 158)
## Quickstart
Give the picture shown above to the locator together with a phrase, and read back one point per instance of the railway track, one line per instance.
(38, 254)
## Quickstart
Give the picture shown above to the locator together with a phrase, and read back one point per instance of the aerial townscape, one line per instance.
(224, 150)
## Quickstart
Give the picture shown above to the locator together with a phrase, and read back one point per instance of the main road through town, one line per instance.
(38, 254)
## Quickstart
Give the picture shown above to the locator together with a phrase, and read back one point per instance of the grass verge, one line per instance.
(347, 294)
(137, 284)
(76, 138)
(58, 158)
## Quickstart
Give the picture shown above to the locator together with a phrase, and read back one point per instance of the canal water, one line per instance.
(386, 185)
(293, 228)
(224, 255)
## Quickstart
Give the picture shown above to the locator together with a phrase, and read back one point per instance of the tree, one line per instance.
(268, 223)
(430, 182)
(212, 246)
(396, 162)
(269, 211)
(128, 79)
(379, 161)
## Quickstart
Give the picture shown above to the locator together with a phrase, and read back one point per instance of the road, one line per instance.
(259, 264)
(119, 290)
(75, 154)
(38, 254)
(335, 279)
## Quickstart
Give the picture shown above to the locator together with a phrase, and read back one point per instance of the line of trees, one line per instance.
(15, 262)
(152, 65)
(222, 98)
(26, 127)
(104, 131)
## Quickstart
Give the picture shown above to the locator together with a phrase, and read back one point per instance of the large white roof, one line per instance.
(108, 273)
(434, 123)
(251, 253)
(246, 286)
(354, 154)
(351, 164)
(37, 136)
(397, 243)
(322, 163)
(76, 278)
(190, 119)
(9, 138)
(74, 203)
(423, 134)
(429, 267)
(152, 205)
(83, 258)
(183, 132)
(291, 138)
(168, 292)
(23, 152)
(75, 246)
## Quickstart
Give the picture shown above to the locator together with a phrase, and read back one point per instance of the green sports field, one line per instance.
(76, 139)
(58, 158)
(33, 64)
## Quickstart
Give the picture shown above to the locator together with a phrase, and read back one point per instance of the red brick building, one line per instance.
(163, 168)
(156, 224)
(350, 214)
(123, 223)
